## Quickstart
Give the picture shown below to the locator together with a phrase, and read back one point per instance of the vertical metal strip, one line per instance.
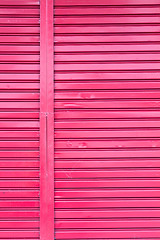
(46, 121)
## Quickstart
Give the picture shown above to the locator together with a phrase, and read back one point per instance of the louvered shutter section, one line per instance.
(19, 119)
(107, 90)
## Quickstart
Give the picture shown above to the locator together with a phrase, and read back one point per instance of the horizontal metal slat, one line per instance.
(70, 214)
(5, 49)
(107, 234)
(19, 77)
(14, 203)
(88, 204)
(33, 239)
(105, 134)
(100, 20)
(95, 94)
(20, 67)
(19, 115)
(19, 224)
(101, 57)
(73, 114)
(106, 48)
(106, 224)
(70, 184)
(19, 134)
(17, 86)
(104, 144)
(105, 85)
(110, 10)
(14, 58)
(19, 234)
(104, 3)
(17, 3)
(95, 29)
(12, 173)
(19, 106)
(19, 144)
(18, 164)
(125, 38)
(89, 66)
(151, 75)
(21, 21)
(20, 11)
(19, 96)
(19, 30)
(125, 173)
(110, 164)
(86, 124)
(105, 104)
(19, 184)
(17, 194)
(19, 124)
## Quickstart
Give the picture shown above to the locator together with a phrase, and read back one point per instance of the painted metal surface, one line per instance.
(91, 171)
(107, 71)
(19, 119)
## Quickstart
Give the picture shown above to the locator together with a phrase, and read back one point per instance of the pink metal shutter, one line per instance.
(107, 90)
(102, 59)
(19, 119)
(26, 120)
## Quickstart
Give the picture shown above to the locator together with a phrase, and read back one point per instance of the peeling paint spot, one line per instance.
(82, 145)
